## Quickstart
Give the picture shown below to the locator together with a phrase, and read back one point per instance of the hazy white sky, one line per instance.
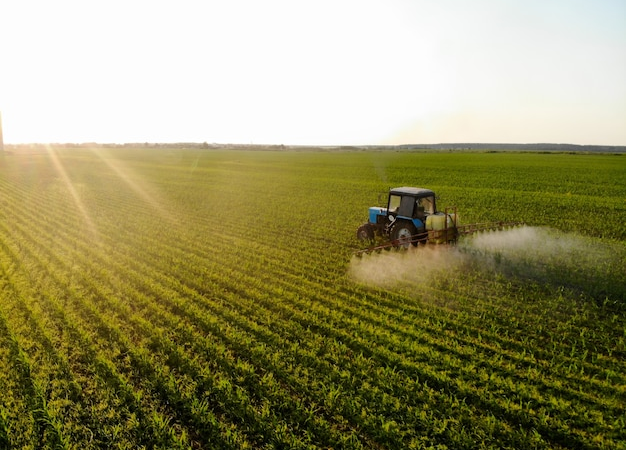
(313, 72)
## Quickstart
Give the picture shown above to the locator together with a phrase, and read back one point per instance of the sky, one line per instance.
(318, 72)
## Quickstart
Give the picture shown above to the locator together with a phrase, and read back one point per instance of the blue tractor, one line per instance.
(410, 218)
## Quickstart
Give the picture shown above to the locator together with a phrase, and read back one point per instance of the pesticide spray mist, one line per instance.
(537, 255)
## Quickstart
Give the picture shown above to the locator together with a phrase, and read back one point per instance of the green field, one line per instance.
(207, 299)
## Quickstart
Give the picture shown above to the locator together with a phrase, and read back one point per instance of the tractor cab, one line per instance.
(405, 214)
(412, 204)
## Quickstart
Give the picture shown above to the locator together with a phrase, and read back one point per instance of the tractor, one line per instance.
(411, 218)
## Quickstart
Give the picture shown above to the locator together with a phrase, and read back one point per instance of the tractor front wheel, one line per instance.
(403, 234)
(365, 232)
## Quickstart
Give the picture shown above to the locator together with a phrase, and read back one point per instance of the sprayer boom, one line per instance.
(486, 226)
(443, 236)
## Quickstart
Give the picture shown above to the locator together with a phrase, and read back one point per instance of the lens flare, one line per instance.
(132, 180)
(60, 169)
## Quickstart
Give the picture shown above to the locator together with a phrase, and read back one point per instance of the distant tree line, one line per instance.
(280, 147)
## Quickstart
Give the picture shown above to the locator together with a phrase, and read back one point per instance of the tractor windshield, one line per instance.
(394, 203)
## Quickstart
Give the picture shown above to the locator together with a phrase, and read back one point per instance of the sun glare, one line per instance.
(67, 182)
(139, 187)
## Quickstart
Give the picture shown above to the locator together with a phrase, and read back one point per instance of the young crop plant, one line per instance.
(201, 299)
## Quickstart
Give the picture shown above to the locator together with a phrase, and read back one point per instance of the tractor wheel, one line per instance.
(365, 232)
(403, 233)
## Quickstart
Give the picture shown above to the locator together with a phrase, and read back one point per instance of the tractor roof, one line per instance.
(415, 191)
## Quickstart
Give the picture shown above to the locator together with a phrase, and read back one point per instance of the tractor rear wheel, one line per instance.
(365, 232)
(403, 233)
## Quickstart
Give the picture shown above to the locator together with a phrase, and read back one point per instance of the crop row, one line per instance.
(186, 333)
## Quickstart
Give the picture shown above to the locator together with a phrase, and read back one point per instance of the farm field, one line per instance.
(208, 299)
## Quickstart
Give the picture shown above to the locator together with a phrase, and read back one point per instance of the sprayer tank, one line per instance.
(440, 227)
